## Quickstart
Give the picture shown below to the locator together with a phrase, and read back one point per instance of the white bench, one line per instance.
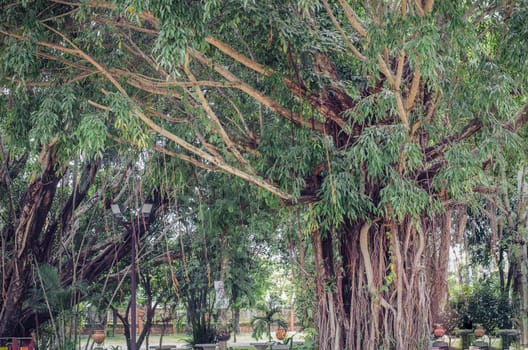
(261, 346)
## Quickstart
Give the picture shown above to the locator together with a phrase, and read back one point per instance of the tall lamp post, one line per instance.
(131, 228)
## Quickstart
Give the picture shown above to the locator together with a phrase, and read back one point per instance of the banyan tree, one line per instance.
(380, 119)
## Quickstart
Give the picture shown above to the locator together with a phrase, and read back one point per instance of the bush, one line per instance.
(484, 304)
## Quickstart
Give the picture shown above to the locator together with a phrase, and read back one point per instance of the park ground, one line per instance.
(242, 341)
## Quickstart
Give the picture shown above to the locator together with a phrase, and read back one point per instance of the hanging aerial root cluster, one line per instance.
(379, 299)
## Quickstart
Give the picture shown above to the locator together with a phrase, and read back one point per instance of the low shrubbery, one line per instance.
(484, 304)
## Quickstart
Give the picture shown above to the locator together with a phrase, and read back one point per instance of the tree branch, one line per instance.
(347, 41)
(469, 130)
(409, 103)
(428, 6)
(353, 19)
(209, 111)
(419, 8)
(399, 70)
(149, 122)
(259, 97)
(319, 103)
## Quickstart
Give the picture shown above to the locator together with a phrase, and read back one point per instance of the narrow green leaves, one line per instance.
(127, 122)
(377, 150)
(91, 134)
(19, 58)
(55, 114)
(402, 197)
(461, 174)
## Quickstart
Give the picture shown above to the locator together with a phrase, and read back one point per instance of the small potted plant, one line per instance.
(262, 324)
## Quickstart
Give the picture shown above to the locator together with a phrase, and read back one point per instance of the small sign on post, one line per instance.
(221, 301)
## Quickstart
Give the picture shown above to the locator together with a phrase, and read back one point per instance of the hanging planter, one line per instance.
(98, 336)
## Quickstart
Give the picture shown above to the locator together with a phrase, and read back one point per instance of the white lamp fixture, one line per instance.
(116, 210)
(146, 209)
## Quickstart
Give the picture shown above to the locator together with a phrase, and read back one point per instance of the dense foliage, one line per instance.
(483, 304)
(382, 119)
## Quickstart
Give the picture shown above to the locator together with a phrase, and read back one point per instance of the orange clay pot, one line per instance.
(439, 330)
(479, 331)
(98, 336)
(281, 333)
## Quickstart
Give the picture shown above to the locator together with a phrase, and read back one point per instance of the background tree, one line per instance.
(56, 175)
(481, 303)
(494, 234)
(223, 233)
(154, 289)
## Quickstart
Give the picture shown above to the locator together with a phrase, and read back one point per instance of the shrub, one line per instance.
(484, 304)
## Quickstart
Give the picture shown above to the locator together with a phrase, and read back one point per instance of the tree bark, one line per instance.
(439, 243)
(521, 255)
(523, 310)
(150, 306)
(34, 207)
(377, 300)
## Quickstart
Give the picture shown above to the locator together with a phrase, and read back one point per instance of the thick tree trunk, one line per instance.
(222, 313)
(34, 207)
(33, 237)
(126, 326)
(236, 321)
(438, 245)
(521, 255)
(524, 296)
(9, 316)
(519, 286)
(372, 288)
(147, 325)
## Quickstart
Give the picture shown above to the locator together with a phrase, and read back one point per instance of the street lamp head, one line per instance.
(146, 209)
(116, 210)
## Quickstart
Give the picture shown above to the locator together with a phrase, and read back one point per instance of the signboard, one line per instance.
(221, 301)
